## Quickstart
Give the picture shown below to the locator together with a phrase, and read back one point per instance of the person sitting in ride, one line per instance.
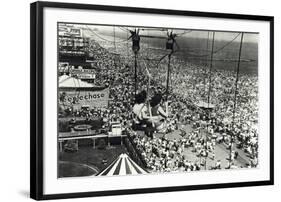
(158, 115)
(140, 109)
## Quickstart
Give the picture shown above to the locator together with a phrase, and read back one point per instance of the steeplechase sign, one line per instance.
(91, 97)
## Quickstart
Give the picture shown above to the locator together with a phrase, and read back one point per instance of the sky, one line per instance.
(219, 35)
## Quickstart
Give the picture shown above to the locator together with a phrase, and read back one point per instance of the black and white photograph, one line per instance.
(133, 100)
(140, 100)
(148, 100)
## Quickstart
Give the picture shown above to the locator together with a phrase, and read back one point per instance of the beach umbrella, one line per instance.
(123, 165)
(226, 121)
(205, 105)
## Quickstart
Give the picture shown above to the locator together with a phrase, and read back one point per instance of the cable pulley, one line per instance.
(135, 40)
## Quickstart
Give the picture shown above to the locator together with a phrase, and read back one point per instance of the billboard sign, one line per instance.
(84, 73)
(91, 98)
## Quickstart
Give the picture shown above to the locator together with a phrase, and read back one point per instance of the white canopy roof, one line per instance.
(123, 165)
(63, 77)
(66, 81)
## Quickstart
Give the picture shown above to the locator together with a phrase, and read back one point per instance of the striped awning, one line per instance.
(123, 165)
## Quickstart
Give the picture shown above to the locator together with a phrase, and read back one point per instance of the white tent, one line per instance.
(63, 78)
(123, 165)
(70, 82)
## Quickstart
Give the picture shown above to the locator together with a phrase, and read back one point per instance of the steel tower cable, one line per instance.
(210, 69)
(235, 94)
(207, 64)
(102, 38)
(217, 50)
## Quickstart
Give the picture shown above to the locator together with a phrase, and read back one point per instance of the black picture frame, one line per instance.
(37, 99)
